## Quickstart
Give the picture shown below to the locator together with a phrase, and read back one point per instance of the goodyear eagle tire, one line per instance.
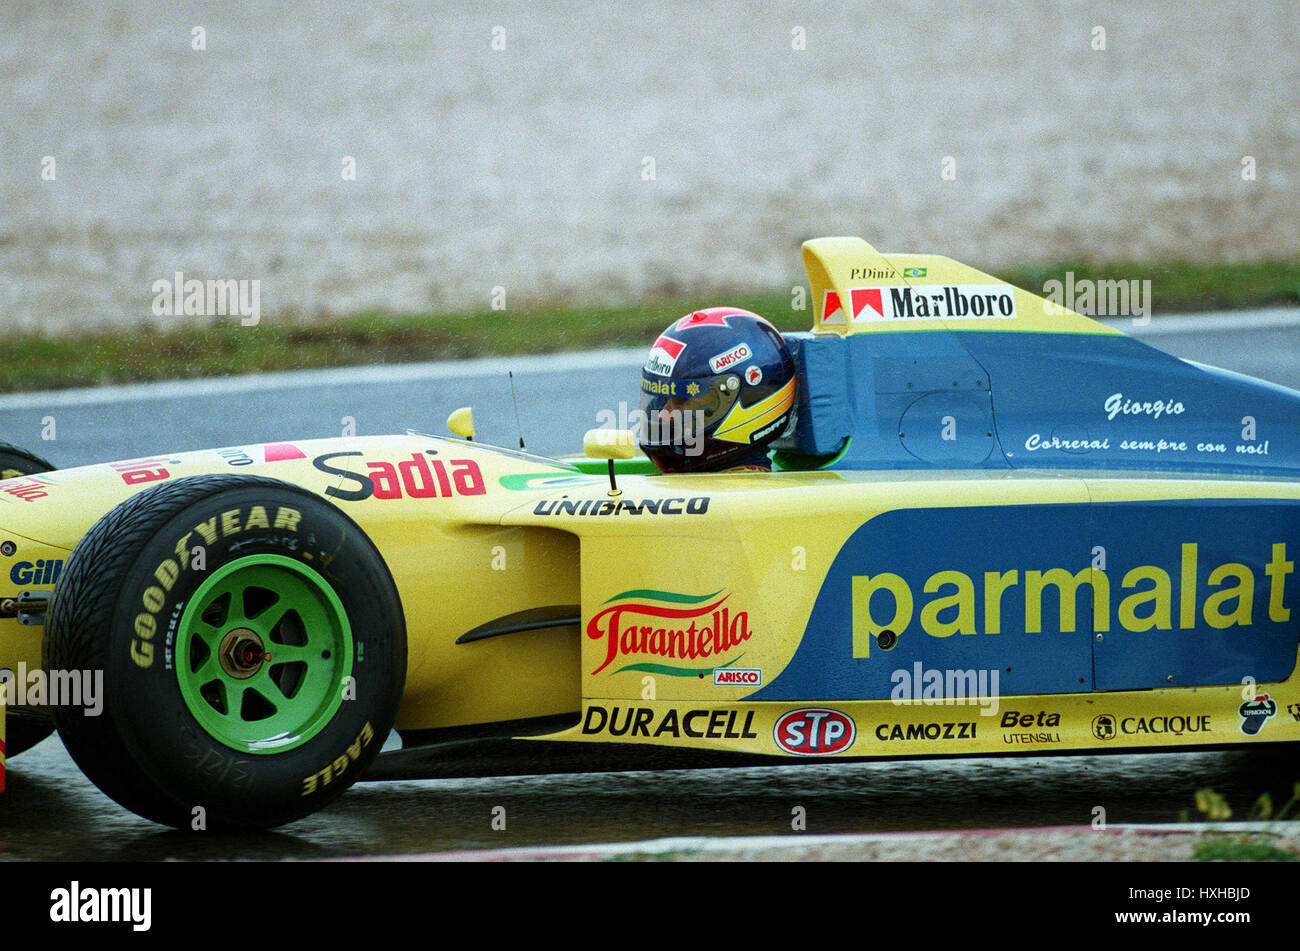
(23, 730)
(253, 649)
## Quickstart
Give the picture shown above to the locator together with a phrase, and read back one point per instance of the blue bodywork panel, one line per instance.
(1181, 593)
(1014, 399)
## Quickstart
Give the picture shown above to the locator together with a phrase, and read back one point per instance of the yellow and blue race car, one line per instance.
(997, 526)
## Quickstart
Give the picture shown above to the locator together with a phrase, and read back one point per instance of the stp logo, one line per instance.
(814, 732)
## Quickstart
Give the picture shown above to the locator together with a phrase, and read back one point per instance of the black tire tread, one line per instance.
(81, 611)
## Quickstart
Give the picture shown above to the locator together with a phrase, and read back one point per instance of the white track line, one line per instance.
(336, 376)
(1218, 321)
(549, 363)
(752, 844)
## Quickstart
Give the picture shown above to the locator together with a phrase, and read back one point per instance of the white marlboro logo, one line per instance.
(832, 310)
(869, 303)
(866, 303)
(723, 360)
(663, 356)
(939, 302)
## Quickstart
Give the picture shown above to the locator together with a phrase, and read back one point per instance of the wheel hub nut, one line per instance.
(241, 653)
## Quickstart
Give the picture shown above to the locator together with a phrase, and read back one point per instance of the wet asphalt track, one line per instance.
(49, 811)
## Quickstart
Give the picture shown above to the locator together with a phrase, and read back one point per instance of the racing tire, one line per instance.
(23, 731)
(253, 649)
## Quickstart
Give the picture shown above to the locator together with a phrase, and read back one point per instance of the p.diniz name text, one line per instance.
(1150, 597)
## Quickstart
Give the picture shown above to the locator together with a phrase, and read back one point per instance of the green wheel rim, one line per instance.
(263, 654)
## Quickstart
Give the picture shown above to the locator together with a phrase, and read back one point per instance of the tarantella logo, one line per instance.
(814, 731)
(669, 626)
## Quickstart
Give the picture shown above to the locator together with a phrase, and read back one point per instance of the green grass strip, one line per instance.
(220, 346)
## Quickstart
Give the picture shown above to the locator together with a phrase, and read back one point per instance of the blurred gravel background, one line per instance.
(525, 167)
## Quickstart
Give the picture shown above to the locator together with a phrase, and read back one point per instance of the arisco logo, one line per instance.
(668, 625)
(1103, 727)
(737, 677)
(814, 731)
(1255, 713)
(730, 357)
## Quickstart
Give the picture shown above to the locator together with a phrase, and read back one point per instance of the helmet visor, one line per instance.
(681, 413)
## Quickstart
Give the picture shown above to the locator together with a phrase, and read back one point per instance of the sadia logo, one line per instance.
(814, 732)
(1103, 727)
(1255, 713)
(668, 624)
(412, 478)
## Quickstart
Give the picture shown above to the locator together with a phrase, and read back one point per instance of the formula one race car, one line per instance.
(997, 526)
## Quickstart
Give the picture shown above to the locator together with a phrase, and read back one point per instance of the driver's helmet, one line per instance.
(717, 387)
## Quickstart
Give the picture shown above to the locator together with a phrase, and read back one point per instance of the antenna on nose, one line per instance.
(518, 425)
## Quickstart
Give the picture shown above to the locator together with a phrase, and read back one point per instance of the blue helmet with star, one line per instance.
(717, 387)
